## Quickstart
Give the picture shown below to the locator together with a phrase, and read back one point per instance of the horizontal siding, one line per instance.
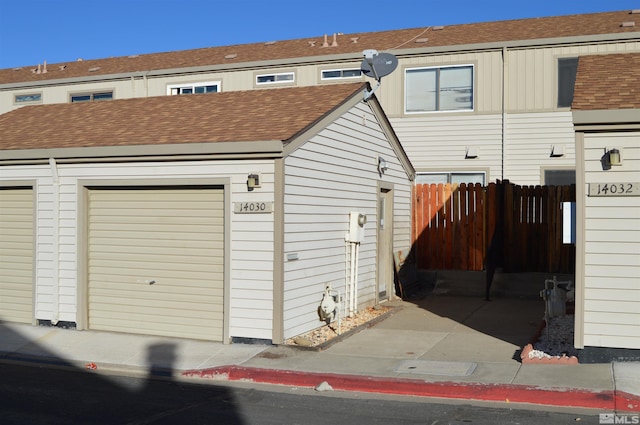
(325, 179)
(439, 142)
(612, 247)
(529, 138)
(252, 234)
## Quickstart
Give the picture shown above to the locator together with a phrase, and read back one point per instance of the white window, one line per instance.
(91, 97)
(452, 177)
(439, 89)
(191, 88)
(283, 77)
(28, 98)
(335, 74)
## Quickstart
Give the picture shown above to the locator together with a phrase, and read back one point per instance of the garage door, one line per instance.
(156, 261)
(16, 255)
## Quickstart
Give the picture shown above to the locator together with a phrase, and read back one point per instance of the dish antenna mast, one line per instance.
(377, 65)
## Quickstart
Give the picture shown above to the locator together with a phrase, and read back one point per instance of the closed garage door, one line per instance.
(156, 261)
(16, 255)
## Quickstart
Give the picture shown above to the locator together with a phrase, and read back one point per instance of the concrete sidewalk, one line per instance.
(439, 346)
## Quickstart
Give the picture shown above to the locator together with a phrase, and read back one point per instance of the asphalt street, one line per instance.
(39, 395)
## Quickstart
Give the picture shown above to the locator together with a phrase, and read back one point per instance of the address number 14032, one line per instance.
(614, 189)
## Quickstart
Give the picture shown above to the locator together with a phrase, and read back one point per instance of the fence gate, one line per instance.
(470, 227)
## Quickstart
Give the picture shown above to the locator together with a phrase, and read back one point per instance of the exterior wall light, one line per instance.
(253, 181)
(614, 157)
(382, 165)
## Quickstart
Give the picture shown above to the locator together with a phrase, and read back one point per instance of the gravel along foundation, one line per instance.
(554, 344)
(326, 335)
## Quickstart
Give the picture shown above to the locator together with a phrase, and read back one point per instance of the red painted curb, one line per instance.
(509, 393)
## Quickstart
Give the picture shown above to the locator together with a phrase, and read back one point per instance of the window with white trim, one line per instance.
(28, 98)
(336, 74)
(91, 97)
(283, 77)
(452, 177)
(435, 89)
(194, 88)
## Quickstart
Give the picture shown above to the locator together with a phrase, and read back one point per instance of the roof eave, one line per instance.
(161, 152)
(606, 119)
(353, 56)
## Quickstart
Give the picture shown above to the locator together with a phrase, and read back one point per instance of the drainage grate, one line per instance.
(431, 367)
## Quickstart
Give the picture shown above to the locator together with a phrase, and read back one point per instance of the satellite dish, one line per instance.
(377, 65)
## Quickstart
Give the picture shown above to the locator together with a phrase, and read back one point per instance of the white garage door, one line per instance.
(16, 255)
(156, 261)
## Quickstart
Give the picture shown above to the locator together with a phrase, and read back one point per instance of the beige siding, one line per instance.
(325, 179)
(16, 255)
(532, 74)
(251, 250)
(612, 247)
(156, 261)
(529, 138)
(439, 143)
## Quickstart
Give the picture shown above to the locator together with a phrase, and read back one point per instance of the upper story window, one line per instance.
(28, 98)
(208, 87)
(283, 77)
(439, 89)
(91, 97)
(335, 74)
(567, 69)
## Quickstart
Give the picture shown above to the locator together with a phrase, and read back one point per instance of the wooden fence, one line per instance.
(471, 227)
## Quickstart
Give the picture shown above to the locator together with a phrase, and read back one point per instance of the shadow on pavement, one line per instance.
(59, 393)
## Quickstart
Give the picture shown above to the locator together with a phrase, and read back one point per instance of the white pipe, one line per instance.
(352, 280)
(55, 284)
(355, 281)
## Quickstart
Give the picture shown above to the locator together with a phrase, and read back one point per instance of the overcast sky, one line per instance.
(34, 31)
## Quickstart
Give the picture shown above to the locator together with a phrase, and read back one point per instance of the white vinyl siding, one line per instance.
(251, 250)
(612, 247)
(439, 143)
(529, 140)
(16, 255)
(329, 176)
(156, 261)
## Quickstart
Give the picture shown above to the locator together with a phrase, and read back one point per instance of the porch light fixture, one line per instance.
(382, 165)
(614, 157)
(253, 181)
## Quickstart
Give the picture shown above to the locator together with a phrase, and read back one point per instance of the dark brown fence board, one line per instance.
(454, 227)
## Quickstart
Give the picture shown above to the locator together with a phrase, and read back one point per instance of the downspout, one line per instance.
(503, 130)
(55, 248)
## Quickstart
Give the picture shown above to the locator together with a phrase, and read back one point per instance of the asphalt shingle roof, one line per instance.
(256, 115)
(450, 35)
(607, 82)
